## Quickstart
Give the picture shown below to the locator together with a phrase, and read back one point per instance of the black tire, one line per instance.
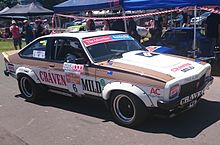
(127, 109)
(28, 88)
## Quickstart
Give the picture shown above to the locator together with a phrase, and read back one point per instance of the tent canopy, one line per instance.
(84, 5)
(4, 10)
(27, 10)
(155, 4)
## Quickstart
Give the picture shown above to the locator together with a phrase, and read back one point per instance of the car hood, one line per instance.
(162, 66)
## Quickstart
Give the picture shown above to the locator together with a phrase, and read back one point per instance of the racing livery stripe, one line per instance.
(125, 71)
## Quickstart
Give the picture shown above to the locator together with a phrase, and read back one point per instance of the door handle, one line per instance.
(51, 65)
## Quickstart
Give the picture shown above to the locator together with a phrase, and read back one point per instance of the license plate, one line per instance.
(192, 97)
(192, 104)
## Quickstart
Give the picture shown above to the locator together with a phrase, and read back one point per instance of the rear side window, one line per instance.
(36, 50)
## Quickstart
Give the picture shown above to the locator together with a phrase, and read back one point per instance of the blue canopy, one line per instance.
(83, 5)
(155, 4)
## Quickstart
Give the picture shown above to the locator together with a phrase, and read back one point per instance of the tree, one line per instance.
(7, 3)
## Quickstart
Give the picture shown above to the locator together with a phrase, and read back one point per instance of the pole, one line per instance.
(123, 13)
(194, 36)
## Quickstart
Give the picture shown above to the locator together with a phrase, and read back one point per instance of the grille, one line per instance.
(192, 87)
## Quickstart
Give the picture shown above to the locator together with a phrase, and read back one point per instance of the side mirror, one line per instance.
(80, 61)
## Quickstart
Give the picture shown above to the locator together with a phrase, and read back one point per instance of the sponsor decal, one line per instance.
(53, 78)
(187, 69)
(91, 86)
(152, 48)
(73, 67)
(96, 40)
(110, 62)
(155, 91)
(103, 39)
(109, 73)
(184, 68)
(73, 78)
(121, 37)
(146, 54)
(39, 54)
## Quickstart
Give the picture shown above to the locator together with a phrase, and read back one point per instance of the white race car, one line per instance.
(112, 66)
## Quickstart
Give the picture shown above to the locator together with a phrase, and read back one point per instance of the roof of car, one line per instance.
(84, 34)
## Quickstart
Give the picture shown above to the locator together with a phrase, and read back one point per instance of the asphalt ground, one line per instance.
(59, 120)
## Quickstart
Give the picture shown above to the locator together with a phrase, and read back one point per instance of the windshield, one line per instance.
(108, 47)
(206, 14)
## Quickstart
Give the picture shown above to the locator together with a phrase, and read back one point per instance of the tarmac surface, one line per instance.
(59, 120)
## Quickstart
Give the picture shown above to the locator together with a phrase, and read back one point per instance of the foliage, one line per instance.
(46, 3)
(50, 3)
(7, 3)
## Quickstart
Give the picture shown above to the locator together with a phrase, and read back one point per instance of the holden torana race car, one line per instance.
(112, 66)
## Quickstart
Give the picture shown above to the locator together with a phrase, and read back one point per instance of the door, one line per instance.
(66, 53)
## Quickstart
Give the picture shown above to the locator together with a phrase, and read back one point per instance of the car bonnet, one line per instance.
(161, 66)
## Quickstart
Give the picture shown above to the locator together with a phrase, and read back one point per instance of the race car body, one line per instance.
(112, 66)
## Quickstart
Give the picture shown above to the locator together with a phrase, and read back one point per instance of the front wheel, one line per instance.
(127, 109)
(28, 88)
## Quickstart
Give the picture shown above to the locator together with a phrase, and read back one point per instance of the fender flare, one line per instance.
(28, 72)
(117, 86)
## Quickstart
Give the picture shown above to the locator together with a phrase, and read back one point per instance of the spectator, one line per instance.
(212, 30)
(106, 25)
(46, 27)
(90, 24)
(132, 30)
(27, 32)
(39, 28)
(14, 29)
(118, 25)
(185, 19)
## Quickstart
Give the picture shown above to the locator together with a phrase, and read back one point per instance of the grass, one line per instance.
(6, 45)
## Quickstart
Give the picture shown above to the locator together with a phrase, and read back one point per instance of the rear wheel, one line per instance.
(28, 88)
(127, 109)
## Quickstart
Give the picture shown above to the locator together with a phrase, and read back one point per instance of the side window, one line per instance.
(65, 49)
(36, 50)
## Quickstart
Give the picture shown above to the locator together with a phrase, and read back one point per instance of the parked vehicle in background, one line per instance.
(179, 41)
(82, 26)
(200, 21)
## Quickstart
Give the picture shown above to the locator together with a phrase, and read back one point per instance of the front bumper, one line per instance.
(181, 104)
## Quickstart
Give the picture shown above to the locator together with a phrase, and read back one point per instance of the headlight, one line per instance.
(208, 73)
(174, 91)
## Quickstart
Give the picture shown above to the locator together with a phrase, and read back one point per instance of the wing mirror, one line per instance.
(81, 61)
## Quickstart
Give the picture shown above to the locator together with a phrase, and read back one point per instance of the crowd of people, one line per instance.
(27, 31)
(41, 27)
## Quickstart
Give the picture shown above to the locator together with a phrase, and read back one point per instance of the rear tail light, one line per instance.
(174, 91)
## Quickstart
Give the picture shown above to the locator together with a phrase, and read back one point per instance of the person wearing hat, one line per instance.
(28, 32)
(14, 29)
(39, 28)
